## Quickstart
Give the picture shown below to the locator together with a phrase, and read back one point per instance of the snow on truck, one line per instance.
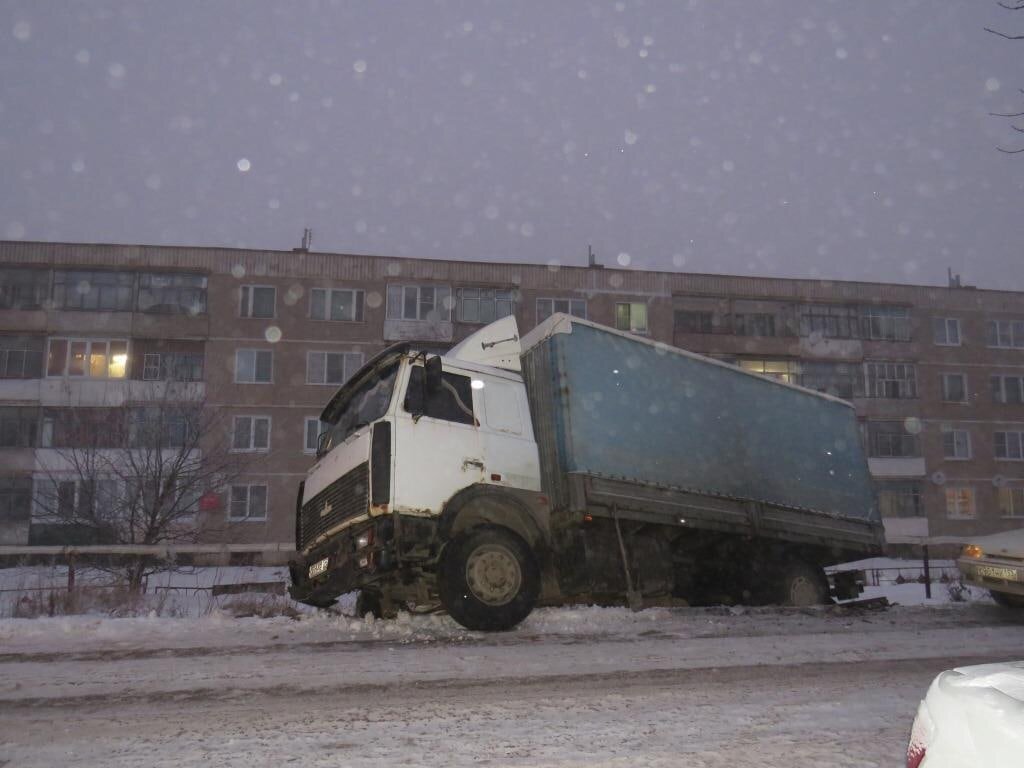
(577, 463)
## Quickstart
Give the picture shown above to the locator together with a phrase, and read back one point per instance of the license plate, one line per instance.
(318, 567)
(995, 572)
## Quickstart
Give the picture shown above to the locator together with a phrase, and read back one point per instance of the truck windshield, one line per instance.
(366, 404)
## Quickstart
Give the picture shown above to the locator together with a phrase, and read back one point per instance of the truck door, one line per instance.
(437, 442)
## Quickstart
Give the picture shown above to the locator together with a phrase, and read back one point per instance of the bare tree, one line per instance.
(136, 474)
(1014, 5)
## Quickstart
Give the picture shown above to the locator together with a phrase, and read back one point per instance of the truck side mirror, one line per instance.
(432, 374)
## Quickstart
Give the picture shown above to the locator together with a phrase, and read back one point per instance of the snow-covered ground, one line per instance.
(575, 686)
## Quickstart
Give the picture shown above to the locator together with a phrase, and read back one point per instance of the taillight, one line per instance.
(920, 737)
(915, 754)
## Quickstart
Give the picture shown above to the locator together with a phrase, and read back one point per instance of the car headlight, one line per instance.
(972, 550)
(364, 539)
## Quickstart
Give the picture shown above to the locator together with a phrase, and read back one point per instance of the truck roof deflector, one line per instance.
(496, 344)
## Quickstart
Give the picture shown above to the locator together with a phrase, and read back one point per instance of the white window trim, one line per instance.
(970, 446)
(635, 331)
(973, 512)
(252, 433)
(241, 302)
(327, 304)
(959, 333)
(325, 352)
(553, 299)
(460, 298)
(444, 316)
(248, 501)
(1016, 515)
(1020, 438)
(305, 432)
(254, 351)
(1013, 341)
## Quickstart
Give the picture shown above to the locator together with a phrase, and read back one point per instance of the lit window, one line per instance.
(783, 370)
(631, 317)
(88, 358)
(959, 502)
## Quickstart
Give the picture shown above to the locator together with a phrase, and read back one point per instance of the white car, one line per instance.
(971, 717)
(996, 563)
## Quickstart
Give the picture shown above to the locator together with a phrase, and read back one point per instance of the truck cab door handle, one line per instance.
(467, 463)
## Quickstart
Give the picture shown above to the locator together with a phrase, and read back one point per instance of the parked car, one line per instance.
(996, 563)
(971, 717)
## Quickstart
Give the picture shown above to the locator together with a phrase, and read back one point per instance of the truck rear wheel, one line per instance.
(802, 585)
(489, 579)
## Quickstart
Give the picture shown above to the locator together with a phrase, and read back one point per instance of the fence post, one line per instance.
(927, 574)
(71, 572)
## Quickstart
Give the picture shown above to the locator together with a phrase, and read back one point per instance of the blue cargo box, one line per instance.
(607, 404)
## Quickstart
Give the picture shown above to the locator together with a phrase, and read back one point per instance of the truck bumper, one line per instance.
(341, 565)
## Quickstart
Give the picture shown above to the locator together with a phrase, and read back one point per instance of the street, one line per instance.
(572, 687)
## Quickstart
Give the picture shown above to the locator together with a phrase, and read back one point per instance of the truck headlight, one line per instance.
(972, 550)
(364, 539)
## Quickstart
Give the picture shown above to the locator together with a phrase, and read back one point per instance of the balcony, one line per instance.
(98, 392)
(897, 467)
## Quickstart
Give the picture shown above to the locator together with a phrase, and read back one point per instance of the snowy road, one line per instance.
(572, 687)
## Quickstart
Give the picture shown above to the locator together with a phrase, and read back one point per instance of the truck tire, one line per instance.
(489, 580)
(802, 585)
(368, 603)
(1007, 601)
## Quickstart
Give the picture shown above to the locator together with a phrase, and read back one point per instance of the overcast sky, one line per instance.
(795, 138)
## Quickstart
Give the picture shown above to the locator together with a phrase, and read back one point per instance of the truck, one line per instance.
(578, 463)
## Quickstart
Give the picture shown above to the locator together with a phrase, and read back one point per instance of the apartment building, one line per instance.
(263, 338)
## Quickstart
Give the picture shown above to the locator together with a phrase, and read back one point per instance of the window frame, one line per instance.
(248, 517)
(881, 433)
(247, 298)
(325, 352)
(945, 321)
(177, 306)
(633, 327)
(906, 387)
(1016, 507)
(63, 290)
(255, 367)
(898, 490)
(1000, 398)
(444, 316)
(699, 315)
(553, 300)
(322, 430)
(1014, 333)
(29, 295)
(484, 295)
(70, 341)
(358, 304)
(1018, 439)
(955, 513)
(959, 438)
(945, 378)
(251, 447)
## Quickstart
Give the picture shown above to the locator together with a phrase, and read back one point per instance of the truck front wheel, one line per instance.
(802, 585)
(489, 579)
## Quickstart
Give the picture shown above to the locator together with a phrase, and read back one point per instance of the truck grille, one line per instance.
(344, 498)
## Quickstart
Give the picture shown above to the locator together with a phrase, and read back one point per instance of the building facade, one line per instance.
(264, 338)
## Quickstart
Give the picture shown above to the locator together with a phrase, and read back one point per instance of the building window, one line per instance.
(754, 324)
(959, 502)
(1005, 334)
(954, 387)
(419, 302)
(332, 367)
(1011, 501)
(899, 498)
(165, 366)
(1009, 446)
(18, 427)
(88, 358)
(76, 497)
(885, 323)
(248, 502)
(890, 440)
(838, 379)
(946, 331)
(483, 305)
(831, 322)
(343, 304)
(547, 307)
(686, 321)
(15, 498)
(956, 443)
(257, 301)
(20, 357)
(892, 380)
(783, 370)
(314, 430)
(631, 317)
(172, 293)
(254, 366)
(23, 288)
(93, 290)
(162, 427)
(250, 433)
(1008, 390)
